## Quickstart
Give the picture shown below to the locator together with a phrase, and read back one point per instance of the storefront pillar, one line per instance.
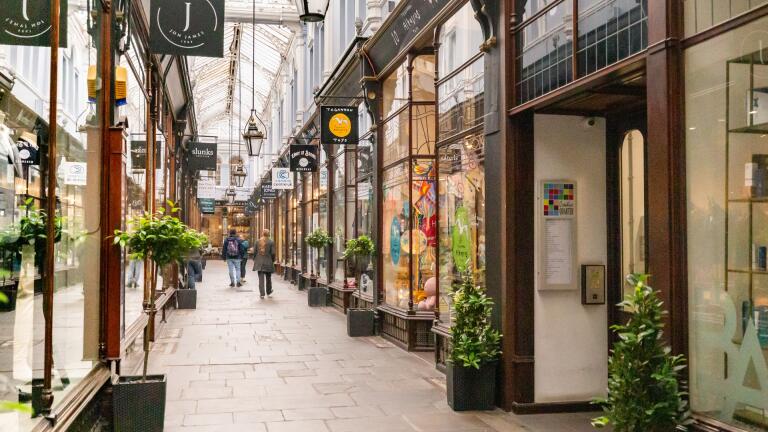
(666, 168)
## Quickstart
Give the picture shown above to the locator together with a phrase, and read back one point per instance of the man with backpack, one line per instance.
(231, 251)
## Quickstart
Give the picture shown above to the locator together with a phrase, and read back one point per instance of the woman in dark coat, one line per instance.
(264, 261)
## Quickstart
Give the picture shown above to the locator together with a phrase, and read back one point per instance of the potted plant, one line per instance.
(318, 239)
(360, 322)
(475, 349)
(191, 241)
(644, 391)
(161, 238)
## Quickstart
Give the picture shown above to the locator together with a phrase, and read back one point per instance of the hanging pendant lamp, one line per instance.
(253, 136)
(312, 10)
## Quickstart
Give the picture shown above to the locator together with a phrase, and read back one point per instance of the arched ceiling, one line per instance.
(225, 88)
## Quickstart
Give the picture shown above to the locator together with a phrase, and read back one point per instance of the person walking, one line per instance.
(264, 262)
(244, 253)
(231, 251)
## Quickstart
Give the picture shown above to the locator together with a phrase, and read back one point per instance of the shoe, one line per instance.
(261, 297)
(231, 285)
(239, 284)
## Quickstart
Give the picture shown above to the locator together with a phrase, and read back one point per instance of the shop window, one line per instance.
(726, 132)
(339, 217)
(396, 132)
(423, 129)
(395, 250)
(395, 91)
(703, 14)
(422, 238)
(610, 31)
(633, 224)
(423, 78)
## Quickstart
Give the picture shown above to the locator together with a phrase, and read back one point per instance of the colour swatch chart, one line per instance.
(559, 199)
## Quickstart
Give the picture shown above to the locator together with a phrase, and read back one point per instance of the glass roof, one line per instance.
(225, 86)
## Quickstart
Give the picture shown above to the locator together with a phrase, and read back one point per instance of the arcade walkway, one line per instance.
(239, 363)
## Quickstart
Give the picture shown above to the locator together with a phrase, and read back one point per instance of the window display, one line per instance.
(339, 218)
(396, 253)
(727, 211)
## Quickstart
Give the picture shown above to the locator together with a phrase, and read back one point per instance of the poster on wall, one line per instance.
(187, 28)
(282, 179)
(339, 125)
(28, 22)
(202, 156)
(558, 236)
(303, 158)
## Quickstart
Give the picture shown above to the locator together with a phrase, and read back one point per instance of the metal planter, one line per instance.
(318, 296)
(139, 405)
(361, 322)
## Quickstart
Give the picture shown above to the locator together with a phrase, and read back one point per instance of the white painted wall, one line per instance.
(571, 338)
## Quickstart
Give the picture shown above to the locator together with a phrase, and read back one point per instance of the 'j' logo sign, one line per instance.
(28, 22)
(187, 27)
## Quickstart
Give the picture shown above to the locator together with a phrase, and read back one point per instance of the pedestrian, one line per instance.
(134, 273)
(244, 253)
(232, 253)
(194, 267)
(264, 261)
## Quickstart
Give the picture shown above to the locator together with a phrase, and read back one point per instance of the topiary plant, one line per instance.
(359, 247)
(474, 339)
(161, 237)
(319, 239)
(643, 389)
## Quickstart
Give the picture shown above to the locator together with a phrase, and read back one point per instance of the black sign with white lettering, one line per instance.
(267, 192)
(139, 154)
(28, 22)
(339, 125)
(303, 158)
(202, 156)
(207, 205)
(404, 28)
(187, 28)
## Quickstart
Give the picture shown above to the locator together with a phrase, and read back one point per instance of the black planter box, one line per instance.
(360, 322)
(139, 406)
(318, 296)
(471, 389)
(186, 299)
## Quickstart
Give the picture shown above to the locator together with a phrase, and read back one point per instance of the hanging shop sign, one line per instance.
(187, 28)
(461, 241)
(75, 173)
(29, 152)
(139, 154)
(28, 22)
(206, 188)
(403, 29)
(282, 179)
(303, 158)
(202, 156)
(207, 205)
(268, 191)
(339, 125)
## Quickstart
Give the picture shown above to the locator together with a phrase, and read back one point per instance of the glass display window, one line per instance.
(422, 238)
(395, 141)
(395, 91)
(339, 231)
(462, 216)
(395, 249)
(702, 15)
(726, 125)
(423, 130)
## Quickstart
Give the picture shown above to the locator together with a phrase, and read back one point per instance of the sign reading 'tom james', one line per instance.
(187, 28)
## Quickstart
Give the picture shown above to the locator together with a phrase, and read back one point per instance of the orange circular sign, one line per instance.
(340, 125)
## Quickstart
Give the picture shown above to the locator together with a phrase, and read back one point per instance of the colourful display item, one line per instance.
(559, 199)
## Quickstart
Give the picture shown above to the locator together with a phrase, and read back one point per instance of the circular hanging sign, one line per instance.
(394, 240)
(461, 240)
(340, 125)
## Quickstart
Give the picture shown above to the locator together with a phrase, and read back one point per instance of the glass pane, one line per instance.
(423, 79)
(396, 138)
(339, 234)
(633, 233)
(423, 130)
(461, 103)
(545, 51)
(423, 235)
(462, 215)
(395, 91)
(395, 236)
(727, 173)
(460, 39)
(322, 204)
(610, 31)
(703, 14)
(364, 158)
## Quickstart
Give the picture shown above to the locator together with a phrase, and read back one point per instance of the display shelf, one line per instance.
(760, 200)
(747, 271)
(760, 129)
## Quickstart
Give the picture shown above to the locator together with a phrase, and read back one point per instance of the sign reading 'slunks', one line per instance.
(187, 27)
(202, 156)
(28, 22)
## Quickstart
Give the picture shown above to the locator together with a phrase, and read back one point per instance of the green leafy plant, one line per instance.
(475, 341)
(9, 405)
(161, 237)
(359, 247)
(319, 239)
(644, 392)
(30, 230)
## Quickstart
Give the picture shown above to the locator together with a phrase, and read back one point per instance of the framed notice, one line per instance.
(557, 239)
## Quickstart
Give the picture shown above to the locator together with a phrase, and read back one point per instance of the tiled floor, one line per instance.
(239, 363)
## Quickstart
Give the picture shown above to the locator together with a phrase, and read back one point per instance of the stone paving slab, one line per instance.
(239, 363)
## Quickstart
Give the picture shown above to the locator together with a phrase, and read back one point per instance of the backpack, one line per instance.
(233, 248)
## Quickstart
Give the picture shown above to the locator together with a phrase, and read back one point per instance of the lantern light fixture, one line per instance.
(252, 135)
(312, 10)
(239, 174)
(231, 194)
